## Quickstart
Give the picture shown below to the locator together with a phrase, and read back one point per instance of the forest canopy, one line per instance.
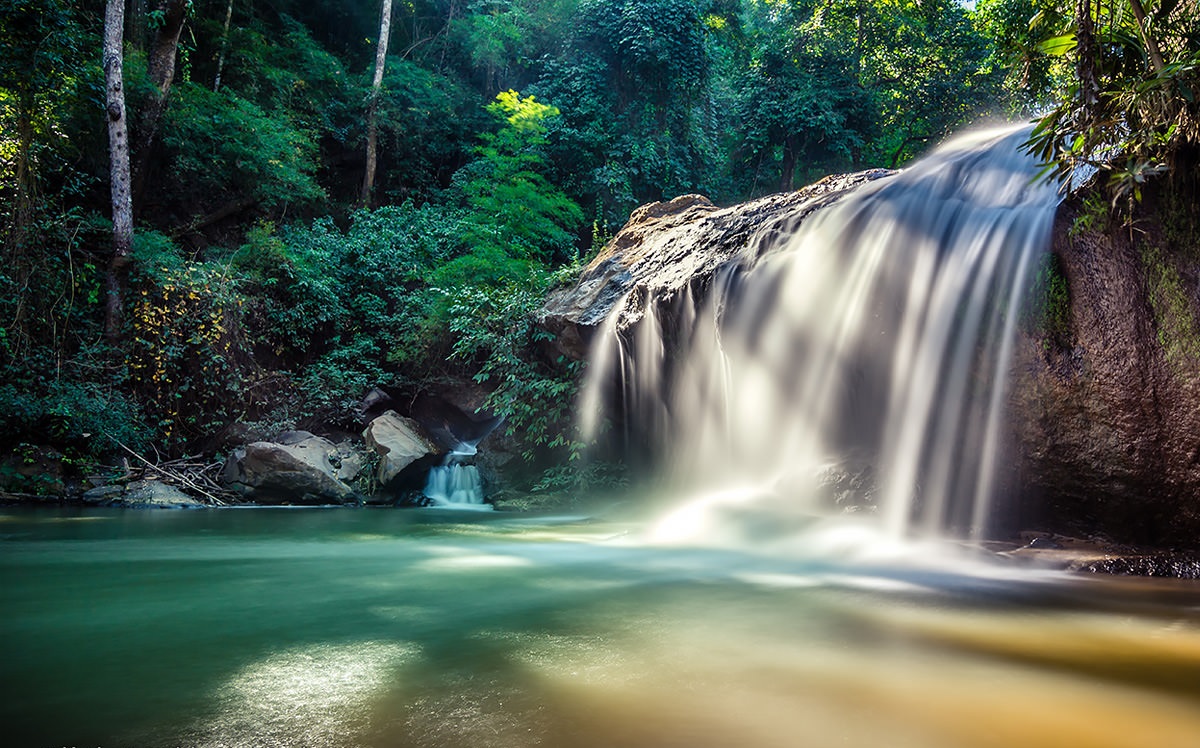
(268, 284)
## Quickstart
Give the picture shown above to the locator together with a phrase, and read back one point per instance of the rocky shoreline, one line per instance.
(1096, 555)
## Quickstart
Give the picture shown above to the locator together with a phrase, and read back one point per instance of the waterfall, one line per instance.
(455, 485)
(857, 364)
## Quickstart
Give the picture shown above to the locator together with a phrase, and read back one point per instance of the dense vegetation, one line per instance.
(270, 285)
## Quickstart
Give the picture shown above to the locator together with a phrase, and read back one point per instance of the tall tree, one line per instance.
(385, 23)
(632, 81)
(160, 66)
(118, 148)
(224, 45)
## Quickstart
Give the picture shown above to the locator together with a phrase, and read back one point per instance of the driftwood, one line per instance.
(190, 473)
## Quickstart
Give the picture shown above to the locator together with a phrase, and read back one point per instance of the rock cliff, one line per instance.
(667, 246)
(1106, 388)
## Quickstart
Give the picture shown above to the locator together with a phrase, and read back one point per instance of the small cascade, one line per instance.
(859, 363)
(455, 485)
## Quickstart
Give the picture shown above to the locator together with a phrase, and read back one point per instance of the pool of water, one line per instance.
(338, 627)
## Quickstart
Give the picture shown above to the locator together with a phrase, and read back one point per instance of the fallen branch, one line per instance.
(171, 474)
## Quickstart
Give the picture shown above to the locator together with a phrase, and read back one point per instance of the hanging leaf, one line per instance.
(1057, 46)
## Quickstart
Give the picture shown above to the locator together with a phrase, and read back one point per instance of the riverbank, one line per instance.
(1097, 555)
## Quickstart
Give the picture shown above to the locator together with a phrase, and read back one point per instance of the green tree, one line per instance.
(503, 40)
(633, 82)
(929, 65)
(428, 123)
(517, 210)
(1016, 31)
(1132, 109)
(797, 101)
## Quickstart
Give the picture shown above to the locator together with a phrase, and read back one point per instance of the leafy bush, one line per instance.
(222, 144)
(186, 355)
(494, 329)
(82, 417)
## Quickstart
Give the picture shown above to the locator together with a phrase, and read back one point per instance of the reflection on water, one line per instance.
(318, 695)
(332, 628)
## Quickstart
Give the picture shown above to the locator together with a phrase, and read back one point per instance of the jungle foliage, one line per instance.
(513, 136)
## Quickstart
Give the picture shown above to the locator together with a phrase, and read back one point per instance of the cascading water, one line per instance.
(455, 485)
(868, 350)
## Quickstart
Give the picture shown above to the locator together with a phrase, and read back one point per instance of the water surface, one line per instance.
(433, 628)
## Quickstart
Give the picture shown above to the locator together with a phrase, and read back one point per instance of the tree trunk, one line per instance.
(224, 46)
(787, 175)
(160, 66)
(1085, 63)
(136, 33)
(118, 150)
(26, 183)
(385, 23)
(1156, 58)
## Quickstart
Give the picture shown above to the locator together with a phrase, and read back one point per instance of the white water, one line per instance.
(454, 485)
(859, 366)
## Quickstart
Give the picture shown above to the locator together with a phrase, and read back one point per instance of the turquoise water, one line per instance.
(336, 627)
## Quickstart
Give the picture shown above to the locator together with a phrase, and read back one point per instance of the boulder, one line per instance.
(141, 494)
(666, 247)
(293, 469)
(348, 460)
(400, 442)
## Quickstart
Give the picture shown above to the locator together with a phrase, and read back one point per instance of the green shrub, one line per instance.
(221, 144)
(186, 356)
(494, 329)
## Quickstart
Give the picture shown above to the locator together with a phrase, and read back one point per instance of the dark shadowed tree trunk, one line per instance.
(118, 149)
(787, 169)
(135, 29)
(224, 46)
(160, 66)
(385, 23)
(1085, 63)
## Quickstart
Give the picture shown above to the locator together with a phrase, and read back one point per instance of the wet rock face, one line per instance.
(668, 246)
(1107, 415)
